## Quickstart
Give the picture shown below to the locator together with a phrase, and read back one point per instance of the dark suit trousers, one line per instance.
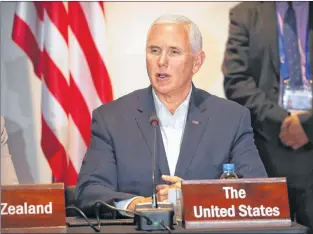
(281, 161)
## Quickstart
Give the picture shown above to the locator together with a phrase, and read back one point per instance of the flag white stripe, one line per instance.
(54, 115)
(27, 12)
(81, 74)
(77, 146)
(56, 46)
(97, 26)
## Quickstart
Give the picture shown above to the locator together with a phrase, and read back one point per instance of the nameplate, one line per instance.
(235, 203)
(31, 206)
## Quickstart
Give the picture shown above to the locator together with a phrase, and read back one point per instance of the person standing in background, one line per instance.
(8, 174)
(268, 69)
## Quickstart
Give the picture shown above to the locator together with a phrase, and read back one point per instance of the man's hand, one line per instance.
(163, 188)
(133, 203)
(292, 133)
(162, 192)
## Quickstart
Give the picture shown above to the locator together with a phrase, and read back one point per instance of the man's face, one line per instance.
(169, 59)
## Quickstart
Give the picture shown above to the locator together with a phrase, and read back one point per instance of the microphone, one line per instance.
(154, 121)
(163, 213)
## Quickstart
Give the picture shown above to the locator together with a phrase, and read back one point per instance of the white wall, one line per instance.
(128, 23)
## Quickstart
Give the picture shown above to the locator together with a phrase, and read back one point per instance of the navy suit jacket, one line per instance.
(118, 162)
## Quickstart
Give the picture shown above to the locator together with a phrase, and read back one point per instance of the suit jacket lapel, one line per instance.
(195, 126)
(145, 109)
(268, 14)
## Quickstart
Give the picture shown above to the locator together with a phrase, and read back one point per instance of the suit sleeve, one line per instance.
(244, 153)
(98, 175)
(239, 84)
(307, 124)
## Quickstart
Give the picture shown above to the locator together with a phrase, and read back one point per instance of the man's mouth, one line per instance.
(163, 75)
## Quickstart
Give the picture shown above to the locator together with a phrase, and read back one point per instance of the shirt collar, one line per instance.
(295, 4)
(159, 105)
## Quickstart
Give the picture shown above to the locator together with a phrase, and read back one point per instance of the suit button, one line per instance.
(275, 89)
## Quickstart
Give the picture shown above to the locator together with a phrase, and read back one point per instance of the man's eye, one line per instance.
(154, 50)
(175, 52)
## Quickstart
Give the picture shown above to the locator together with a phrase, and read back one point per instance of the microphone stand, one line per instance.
(163, 213)
(154, 196)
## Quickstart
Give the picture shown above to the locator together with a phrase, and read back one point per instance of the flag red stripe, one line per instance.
(71, 178)
(102, 6)
(58, 16)
(54, 152)
(40, 9)
(55, 81)
(24, 38)
(97, 67)
(79, 111)
(56, 156)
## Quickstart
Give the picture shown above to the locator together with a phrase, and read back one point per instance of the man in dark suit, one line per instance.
(268, 69)
(198, 132)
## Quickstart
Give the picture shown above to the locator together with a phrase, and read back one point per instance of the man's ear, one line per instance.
(198, 61)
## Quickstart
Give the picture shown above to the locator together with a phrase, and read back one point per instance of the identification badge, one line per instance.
(297, 99)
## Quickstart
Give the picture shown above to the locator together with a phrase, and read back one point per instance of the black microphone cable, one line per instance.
(97, 228)
(81, 213)
(149, 221)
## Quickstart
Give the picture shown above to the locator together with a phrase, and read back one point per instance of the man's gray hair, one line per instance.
(195, 36)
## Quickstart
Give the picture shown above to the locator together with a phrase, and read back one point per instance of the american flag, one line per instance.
(66, 44)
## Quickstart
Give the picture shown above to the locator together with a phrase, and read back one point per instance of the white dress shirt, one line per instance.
(172, 128)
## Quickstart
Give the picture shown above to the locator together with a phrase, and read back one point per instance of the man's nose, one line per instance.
(163, 60)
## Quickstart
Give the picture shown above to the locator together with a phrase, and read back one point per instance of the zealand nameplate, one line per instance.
(32, 206)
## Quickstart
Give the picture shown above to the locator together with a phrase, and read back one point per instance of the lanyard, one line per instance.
(284, 70)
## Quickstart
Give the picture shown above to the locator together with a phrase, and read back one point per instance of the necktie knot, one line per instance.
(290, 13)
(290, 5)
